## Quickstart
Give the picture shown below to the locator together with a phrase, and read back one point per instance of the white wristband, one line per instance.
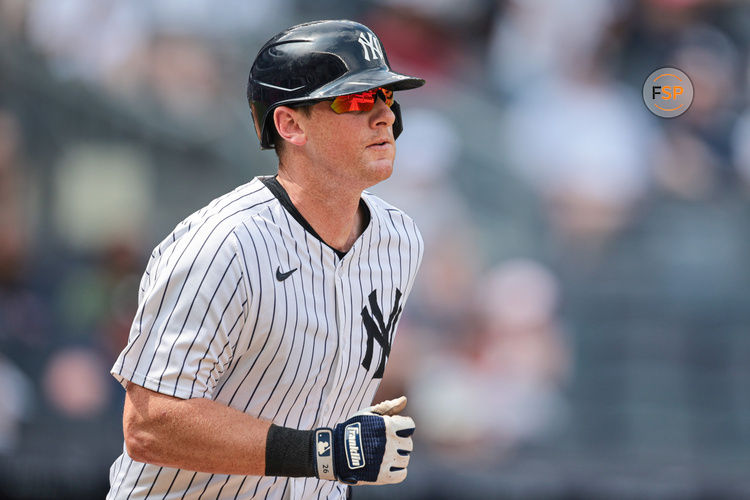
(324, 453)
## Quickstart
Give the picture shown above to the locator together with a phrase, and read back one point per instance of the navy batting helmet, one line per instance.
(316, 61)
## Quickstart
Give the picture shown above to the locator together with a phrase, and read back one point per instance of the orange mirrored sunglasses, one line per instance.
(363, 101)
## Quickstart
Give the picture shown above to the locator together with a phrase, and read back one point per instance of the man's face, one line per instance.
(357, 148)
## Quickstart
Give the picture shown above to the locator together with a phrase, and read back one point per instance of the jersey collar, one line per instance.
(273, 185)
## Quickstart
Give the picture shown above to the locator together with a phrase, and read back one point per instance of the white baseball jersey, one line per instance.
(244, 304)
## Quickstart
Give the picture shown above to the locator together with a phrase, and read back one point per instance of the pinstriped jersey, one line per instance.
(245, 305)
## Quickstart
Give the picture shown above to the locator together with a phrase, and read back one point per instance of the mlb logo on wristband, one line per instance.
(323, 444)
(353, 445)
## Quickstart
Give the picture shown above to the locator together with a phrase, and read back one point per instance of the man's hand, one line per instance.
(389, 407)
(372, 447)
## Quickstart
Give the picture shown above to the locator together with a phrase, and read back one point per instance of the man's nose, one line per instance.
(382, 113)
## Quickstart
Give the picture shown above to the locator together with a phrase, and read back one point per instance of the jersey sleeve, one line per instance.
(191, 311)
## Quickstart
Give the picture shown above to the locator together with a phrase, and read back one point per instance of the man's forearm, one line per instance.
(194, 434)
(371, 447)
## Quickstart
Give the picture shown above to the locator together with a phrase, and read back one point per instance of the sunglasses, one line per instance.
(363, 101)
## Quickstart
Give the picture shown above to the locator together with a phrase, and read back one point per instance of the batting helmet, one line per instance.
(316, 61)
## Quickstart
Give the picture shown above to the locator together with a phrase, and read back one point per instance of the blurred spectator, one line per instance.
(97, 299)
(183, 75)
(695, 158)
(741, 147)
(104, 197)
(209, 19)
(103, 194)
(500, 382)
(537, 40)
(75, 384)
(87, 40)
(12, 19)
(585, 144)
(439, 39)
(23, 314)
(16, 393)
(518, 302)
(14, 224)
(161, 57)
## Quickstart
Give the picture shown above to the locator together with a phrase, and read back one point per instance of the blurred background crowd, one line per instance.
(579, 328)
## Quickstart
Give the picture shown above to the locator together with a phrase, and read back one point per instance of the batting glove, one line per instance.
(372, 447)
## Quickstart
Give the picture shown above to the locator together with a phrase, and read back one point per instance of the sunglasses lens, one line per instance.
(364, 101)
(387, 96)
(354, 102)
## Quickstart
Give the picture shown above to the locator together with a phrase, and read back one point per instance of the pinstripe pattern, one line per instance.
(214, 322)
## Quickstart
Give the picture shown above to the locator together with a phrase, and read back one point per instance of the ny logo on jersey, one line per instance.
(370, 42)
(378, 330)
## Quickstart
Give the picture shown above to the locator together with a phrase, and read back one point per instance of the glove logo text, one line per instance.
(353, 444)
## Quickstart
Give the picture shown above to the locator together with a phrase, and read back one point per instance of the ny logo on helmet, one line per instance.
(369, 41)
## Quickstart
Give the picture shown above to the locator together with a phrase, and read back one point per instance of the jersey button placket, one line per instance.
(340, 327)
(343, 329)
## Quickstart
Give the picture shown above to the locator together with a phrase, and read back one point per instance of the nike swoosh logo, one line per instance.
(282, 276)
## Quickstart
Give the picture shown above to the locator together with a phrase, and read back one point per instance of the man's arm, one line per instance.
(198, 434)
(194, 434)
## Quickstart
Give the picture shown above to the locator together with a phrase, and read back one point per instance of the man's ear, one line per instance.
(287, 121)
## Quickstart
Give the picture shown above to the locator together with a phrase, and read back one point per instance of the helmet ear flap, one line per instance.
(398, 125)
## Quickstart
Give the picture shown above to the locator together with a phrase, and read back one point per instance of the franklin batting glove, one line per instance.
(372, 447)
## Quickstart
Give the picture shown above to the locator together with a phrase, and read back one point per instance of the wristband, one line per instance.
(323, 453)
(290, 452)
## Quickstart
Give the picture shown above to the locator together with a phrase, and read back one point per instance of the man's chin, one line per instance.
(381, 170)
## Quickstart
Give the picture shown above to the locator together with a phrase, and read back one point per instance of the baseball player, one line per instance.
(265, 319)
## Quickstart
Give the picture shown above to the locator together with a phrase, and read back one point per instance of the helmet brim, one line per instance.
(366, 80)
